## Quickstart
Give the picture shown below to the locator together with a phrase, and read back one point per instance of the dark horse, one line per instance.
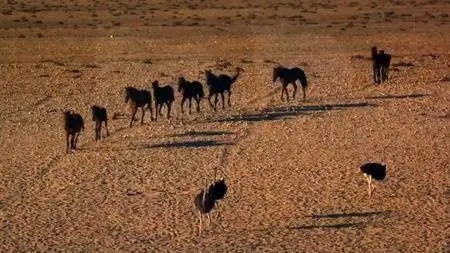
(190, 90)
(73, 124)
(220, 84)
(288, 76)
(163, 95)
(99, 115)
(138, 98)
(380, 64)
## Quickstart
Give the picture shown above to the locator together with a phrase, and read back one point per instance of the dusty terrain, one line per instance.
(291, 167)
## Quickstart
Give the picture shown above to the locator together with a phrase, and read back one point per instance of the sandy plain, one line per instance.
(291, 167)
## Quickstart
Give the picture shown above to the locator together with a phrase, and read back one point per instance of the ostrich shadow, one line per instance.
(278, 113)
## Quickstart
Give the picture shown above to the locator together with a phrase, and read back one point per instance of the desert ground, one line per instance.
(292, 168)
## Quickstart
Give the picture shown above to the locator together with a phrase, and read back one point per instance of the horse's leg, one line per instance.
(72, 142)
(304, 93)
(160, 109)
(169, 106)
(156, 112)
(229, 98)
(223, 100)
(216, 99)
(210, 103)
(149, 106)
(97, 129)
(374, 70)
(182, 103)
(106, 126)
(197, 99)
(190, 105)
(142, 116)
(379, 74)
(67, 142)
(132, 116)
(295, 90)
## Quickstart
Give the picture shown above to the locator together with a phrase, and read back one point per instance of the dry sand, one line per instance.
(291, 167)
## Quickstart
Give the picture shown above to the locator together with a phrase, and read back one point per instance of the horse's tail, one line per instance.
(303, 79)
(201, 93)
(170, 94)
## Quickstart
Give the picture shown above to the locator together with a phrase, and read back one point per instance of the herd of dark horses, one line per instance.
(218, 85)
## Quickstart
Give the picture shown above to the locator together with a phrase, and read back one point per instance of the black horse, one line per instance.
(99, 115)
(380, 64)
(163, 95)
(73, 124)
(290, 76)
(138, 98)
(219, 85)
(190, 90)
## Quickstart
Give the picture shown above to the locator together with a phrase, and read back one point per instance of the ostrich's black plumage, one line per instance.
(218, 189)
(204, 205)
(375, 170)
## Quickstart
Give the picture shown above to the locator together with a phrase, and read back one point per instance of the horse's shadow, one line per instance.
(336, 226)
(346, 215)
(189, 144)
(278, 113)
(201, 133)
(399, 96)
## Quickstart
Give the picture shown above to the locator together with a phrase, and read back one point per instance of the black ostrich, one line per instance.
(380, 65)
(99, 115)
(206, 200)
(138, 98)
(163, 95)
(190, 90)
(373, 170)
(290, 76)
(218, 189)
(219, 85)
(73, 124)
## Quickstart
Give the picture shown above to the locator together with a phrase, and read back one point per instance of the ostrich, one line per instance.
(373, 170)
(207, 198)
(219, 85)
(190, 90)
(290, 76)
(380, 65)
(99, 115)
(218, 189)
(73, 124)
(138, 98)
(163, 95)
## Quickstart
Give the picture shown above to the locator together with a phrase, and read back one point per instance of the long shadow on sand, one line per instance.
(398, 96)
(337, 226)
(201, 133)
(344, 215)
(277, 113)
(190, 144)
